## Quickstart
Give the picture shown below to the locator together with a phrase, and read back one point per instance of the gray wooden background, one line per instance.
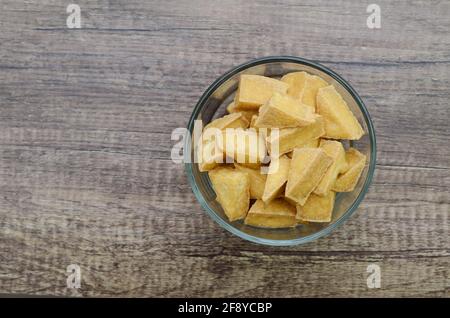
(85, 123)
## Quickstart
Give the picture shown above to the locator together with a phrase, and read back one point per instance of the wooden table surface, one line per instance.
(86, 117)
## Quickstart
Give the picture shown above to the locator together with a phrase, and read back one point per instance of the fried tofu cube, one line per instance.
(277, 214)
(283, 111)
(247, 114)
(317, 208)
(336, 151)
(209, 156)
(253, 121)
(232, 188)
(290, 138)
(262, 148)
(244, 146)
(231, 108)
(312, 84)
(276, 178)
(234, 120)
(255, 90)
(253, 166)
(308, 166)
(304, 86)
(347, 181)
(340, 123)
(314, 143)
(257, 180)
(296, 82)
(264, 131)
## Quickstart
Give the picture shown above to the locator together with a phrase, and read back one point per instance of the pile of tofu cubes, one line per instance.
(287, 161)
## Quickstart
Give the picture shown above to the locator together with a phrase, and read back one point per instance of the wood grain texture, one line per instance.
(85, 170)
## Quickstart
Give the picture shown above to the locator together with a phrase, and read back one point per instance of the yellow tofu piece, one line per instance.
(243, 146)
(310, 89)
(296, 82)
(257, 180)
(232, 188)
(247, 114)
(231, 108)
(317, 208)
(253, 121)
(347, 181)
(209, 156)
(276, 178)
(251, 165)
(277, 214)
(255, 90)
(234, 120)
(308, 166)
(283, 111)
(340, 123)
(314, 143)
(261, 139)
(336, 151)
(304, 87)
(290, 138)
(263, 131)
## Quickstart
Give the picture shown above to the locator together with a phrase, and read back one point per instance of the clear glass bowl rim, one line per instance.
(265, 60)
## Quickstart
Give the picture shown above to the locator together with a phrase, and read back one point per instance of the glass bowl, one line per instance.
(212, 105)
